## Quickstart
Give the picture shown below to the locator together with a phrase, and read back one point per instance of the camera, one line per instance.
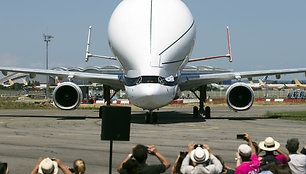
(149, 152)
(71, 169)
(198, 145)
(183, 153)
(240, 136)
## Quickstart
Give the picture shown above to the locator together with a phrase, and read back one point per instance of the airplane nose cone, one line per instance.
(150, 96)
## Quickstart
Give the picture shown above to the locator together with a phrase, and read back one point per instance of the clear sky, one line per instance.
(264, 34)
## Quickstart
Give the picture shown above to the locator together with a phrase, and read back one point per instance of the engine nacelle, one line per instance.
(67, 96)
(239, 96)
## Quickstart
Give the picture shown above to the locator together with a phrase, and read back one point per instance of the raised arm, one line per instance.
(161, 158)
(283, 153)
(61, 166)
(250, 143)
(35, 170)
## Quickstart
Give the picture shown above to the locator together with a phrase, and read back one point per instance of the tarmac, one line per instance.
(26, 135)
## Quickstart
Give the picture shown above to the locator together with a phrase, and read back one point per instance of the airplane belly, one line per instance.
(150, 96)
(148, 36)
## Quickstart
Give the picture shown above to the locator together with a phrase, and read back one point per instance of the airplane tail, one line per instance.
(11, 82)
(261, 82)
(25, 82)
(297, 82)
(265, 78)
(57, 81)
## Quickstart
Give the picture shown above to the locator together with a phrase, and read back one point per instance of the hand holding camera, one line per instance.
(243, 136)
(151, 149)
(197, 145)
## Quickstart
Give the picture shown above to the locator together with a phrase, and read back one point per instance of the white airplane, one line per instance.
(276, 86)
(153, 41)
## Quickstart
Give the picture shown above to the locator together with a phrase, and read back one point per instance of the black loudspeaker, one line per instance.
(115, 123)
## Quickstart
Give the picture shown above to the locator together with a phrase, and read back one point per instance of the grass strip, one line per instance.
(292, 115)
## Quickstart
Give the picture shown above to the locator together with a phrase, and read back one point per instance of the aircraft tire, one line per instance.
(207, 112)
(154, 114)
(147, 117)
(195, 112)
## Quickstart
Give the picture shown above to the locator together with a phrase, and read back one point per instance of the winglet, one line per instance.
(88, 54)
(88, 45)
(229, 45)
(229, 55)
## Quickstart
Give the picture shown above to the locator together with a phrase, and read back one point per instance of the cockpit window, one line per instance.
(168, 81)
(149, 79)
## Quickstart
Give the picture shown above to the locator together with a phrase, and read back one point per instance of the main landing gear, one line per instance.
(201, 111)
(151, 117)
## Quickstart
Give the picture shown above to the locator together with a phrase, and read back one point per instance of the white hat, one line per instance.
(269, 144)
(244, 150)
(47, 166)
(199, 155)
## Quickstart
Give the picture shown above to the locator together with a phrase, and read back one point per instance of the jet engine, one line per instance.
(239, 96)
(67, 96)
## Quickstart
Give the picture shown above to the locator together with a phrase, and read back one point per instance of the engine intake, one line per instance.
(67, 96)
(240, 96)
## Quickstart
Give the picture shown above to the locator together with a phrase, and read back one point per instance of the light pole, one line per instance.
(47, 39)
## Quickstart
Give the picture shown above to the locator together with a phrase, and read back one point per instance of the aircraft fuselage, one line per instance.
(152, 40)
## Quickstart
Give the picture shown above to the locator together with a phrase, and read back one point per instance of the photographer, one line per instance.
(79, 166)
(178, 163)
(273, 153)
(247, 160)
(297, 163)
(49, 166)
(203, 161)
(140, 154)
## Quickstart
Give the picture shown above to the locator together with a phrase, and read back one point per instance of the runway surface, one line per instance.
(26, 135)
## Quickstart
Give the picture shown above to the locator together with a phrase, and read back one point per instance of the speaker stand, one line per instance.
(110, 156)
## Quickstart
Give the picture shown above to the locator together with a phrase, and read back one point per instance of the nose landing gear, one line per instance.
(151, 117)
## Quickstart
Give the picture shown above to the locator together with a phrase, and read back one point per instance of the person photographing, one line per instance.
(202, 160)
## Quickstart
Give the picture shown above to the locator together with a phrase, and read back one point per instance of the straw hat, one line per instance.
(47, 166)
(269, 144)
(199, 155)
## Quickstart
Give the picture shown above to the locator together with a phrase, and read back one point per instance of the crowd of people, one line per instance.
(251, 158)
(51, 166)
(266, 157)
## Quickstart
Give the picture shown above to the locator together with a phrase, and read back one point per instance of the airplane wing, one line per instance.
(192, 82)
(115, 81)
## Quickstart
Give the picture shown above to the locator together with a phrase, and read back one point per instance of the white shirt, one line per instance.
(214, 168)
(297, 163)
